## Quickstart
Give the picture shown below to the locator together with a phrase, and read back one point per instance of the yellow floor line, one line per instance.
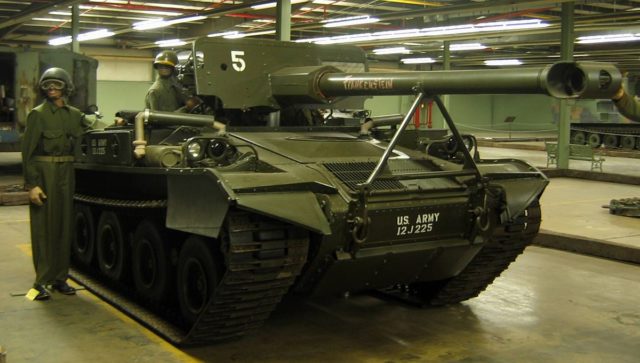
(180, 355)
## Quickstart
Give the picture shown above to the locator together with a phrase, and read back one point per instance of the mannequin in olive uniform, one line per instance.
(47, 156)
(165, 94)
(627, 105)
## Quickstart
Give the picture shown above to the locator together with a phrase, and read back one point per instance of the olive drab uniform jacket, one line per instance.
(629, 107)
(47, 156)
(164, 94)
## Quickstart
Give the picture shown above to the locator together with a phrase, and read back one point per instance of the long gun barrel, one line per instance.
(561, 80)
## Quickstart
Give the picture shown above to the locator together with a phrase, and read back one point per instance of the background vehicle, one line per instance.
(208, 221)
(20, 72)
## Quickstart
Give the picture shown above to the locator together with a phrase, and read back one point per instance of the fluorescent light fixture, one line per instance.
(394, 50)
(171, 43)
(324, 2)
(430, 32)
(60, 40)
(242, 35)
(610, 38)
(235, 35)
(273, 4)
(264, 6)
(418, 60)
(149, 24)
(97, 34)
(466, 46)
(223, 34)
(353, 20)
(161, 23)
(503, 62)
(50, 19)
(265, 32)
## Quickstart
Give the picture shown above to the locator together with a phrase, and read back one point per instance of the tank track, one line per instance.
(259, 272)
(507, 242)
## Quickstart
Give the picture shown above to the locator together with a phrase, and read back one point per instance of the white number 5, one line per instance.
(236, 58)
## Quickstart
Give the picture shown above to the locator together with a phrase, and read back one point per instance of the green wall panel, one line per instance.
(120, 95)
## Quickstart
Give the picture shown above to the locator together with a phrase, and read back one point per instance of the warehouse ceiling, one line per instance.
(420, 27)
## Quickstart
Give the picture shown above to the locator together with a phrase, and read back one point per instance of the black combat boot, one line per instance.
(43, 294)
(63, 288)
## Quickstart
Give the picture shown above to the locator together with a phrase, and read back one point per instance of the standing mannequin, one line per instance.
(47, 156)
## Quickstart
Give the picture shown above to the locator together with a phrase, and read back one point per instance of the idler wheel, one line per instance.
(150, 262)
(197, 278)
(84, 243)
(110, 245)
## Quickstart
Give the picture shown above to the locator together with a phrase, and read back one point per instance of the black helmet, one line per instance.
(167, 58)
(60, 75)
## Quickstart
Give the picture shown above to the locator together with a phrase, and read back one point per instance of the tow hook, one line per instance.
(361, 222)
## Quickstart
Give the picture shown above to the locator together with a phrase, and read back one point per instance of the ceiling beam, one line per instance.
(36, 9)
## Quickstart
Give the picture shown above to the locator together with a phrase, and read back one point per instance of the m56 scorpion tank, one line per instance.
(204, 222)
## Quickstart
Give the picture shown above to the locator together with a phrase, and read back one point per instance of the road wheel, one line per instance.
(610, 141)
(150, 262)
(578, 138)
(594, 140)
(628, 142)
(110, 245)
(197, 278)
(83, 244)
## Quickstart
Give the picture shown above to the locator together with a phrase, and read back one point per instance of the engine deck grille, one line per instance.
(354, 173)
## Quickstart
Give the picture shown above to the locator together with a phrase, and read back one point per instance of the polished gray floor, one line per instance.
(550, 306)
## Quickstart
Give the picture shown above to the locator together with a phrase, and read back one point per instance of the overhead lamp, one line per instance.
(352, 20)
(149, 24)
(324, 2)
(171, 43)
(430, 32)
(96, 34)
(273, 4)
(394, 50)
(235, 35)
(265, 32)
(222, 34)
(146, 12)
(55, 20)
(466, 46)
(242, 35)
(60, 40)
(161, 23)
(503, 62)
(423, 60)
(608, 38)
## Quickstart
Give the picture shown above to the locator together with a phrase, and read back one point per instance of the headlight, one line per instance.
(194, 150)
(216, 148)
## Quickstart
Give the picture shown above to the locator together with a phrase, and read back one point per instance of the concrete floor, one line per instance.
(550, 306)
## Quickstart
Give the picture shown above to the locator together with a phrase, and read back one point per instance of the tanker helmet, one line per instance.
(56, 78)
(167, 58)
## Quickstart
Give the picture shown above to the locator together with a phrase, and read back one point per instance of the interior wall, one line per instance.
(120, 95)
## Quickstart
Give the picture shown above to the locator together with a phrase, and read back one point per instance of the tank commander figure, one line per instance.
(47, 157)
(627, 105)
(165, 94)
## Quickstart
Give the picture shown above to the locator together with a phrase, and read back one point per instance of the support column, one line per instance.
(283, 20)
(446, 65)
(566, 54)
(75, 28)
